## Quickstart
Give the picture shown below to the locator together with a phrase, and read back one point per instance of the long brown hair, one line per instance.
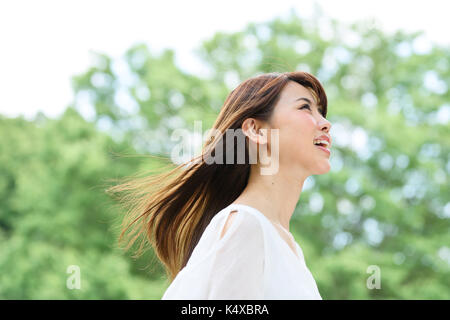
(171, 210)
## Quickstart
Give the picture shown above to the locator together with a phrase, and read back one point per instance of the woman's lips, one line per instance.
(324, 149)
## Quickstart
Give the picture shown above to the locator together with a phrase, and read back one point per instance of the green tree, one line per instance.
(54, 212)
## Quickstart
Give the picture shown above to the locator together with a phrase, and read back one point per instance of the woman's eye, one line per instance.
(306, 105)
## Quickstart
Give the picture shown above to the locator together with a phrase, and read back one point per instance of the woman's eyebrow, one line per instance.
(307, 100)
(303, 98)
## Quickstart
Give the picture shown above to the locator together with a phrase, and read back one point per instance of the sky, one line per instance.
(43, 43)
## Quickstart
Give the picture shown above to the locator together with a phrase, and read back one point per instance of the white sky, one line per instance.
(44, 42)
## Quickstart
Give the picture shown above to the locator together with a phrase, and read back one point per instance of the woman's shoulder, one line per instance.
(239, 218)
(246, 211)
(235, 225)
(231, 229)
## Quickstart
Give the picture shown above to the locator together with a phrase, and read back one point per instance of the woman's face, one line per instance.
(300, 123)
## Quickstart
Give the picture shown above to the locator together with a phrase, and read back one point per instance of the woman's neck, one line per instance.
(276, 196)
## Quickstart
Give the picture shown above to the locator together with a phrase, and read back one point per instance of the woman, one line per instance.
(221, 229)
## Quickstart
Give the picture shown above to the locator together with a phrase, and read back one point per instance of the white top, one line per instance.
(251, 261)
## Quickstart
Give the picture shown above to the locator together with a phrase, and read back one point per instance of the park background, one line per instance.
(385, 202)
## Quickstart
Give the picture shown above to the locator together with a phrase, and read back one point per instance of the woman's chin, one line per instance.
(322, 169)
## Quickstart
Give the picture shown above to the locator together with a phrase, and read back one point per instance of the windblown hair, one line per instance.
(170, 210)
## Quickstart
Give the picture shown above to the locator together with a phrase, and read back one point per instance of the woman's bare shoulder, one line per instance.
(228, 223)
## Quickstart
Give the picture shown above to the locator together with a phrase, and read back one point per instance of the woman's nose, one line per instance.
(325, 124)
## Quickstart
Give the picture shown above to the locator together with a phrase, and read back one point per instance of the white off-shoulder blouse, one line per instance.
(251, 261)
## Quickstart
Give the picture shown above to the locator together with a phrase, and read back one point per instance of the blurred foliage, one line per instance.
(385, 201)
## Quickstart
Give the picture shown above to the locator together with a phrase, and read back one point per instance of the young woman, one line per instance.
(221, 228)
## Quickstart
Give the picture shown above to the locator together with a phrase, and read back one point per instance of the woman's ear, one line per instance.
(253, 130)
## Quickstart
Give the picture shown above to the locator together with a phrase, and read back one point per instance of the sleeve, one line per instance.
(238, 262)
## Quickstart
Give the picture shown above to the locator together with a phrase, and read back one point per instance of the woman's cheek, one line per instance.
(291, 146)
(308, 121)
